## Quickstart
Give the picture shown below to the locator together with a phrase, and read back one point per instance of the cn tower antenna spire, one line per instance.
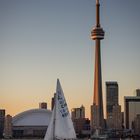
(97, 13)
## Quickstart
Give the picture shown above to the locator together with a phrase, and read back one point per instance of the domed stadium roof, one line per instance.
(33, 117)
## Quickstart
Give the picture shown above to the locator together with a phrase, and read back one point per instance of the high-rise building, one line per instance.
(117, 117)
(111, 97)
(8, 127)
(131, 110)
(115, 120)
(43, 105)
(52, 102)
(97, 115)
(2, 118)
(137, 92)
(77, 113)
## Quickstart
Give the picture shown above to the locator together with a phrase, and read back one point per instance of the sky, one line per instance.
(42, 40)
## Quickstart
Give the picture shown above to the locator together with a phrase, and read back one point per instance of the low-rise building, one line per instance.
(31, 123)
(82, 127)
(77, 113)
(137, 125)
(131, 109)
(81, 124)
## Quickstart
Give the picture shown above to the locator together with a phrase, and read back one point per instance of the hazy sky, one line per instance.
(42, 40)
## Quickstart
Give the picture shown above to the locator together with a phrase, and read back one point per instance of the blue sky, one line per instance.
(42, 40)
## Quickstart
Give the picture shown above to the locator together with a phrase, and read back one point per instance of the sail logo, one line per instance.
(62, 105)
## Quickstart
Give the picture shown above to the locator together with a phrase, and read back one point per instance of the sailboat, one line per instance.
(61, 126)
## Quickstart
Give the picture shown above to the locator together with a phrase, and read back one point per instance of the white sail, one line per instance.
(50, 130)
(61, 126)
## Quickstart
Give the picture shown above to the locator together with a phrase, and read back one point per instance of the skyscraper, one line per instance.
(52, 101)
(97, 115)
(111, 97)
(2, 118)
(8, 126)
(137, 92)
(113, 109)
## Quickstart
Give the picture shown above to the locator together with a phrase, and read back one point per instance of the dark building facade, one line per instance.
(137, 92)
(52, 101)
(111, 97)
(8, 127)
(43, 105)
(82, 127)
(2, 118)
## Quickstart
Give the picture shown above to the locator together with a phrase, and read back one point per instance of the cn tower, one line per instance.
(97, 115)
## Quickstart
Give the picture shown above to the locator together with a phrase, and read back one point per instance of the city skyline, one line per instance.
(41, 41)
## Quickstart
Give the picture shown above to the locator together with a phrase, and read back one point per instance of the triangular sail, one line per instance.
(61, 126)
(64, 126)
(50, 130)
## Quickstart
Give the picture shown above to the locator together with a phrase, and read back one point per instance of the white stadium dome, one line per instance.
(33, 117)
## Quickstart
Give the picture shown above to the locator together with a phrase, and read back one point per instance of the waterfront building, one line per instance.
(8, 127)
(77, 113)
(43, 105)
(97, 115)
(31, 123)
(131, 110)
(2, 118)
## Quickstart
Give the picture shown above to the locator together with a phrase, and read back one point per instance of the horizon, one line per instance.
(41, 41)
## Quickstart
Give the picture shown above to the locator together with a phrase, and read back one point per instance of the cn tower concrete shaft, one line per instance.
(97, 34)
